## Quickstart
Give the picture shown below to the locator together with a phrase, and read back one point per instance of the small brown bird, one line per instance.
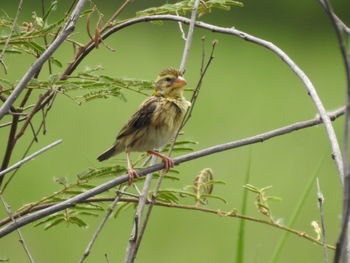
(154, 123)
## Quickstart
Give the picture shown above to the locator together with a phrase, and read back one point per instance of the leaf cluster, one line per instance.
(185, 6)
(262, 199)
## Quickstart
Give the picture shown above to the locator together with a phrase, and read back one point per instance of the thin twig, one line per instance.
(19, 8)
(183, 35)
(199, 85)
(181, 159)
(21, 239)
(136, 232)
(320, 199)
(101, 225)
(301, 234)
(232, 31)
(30, 157)
(189, 36)
(68, 29)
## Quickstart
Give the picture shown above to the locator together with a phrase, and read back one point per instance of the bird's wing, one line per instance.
(141, 118)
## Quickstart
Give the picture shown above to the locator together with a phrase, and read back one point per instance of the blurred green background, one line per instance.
(247, 90)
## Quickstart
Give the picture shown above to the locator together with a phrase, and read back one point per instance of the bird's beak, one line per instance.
(180, 82)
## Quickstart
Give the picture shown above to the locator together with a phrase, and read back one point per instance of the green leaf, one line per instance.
(51, 8)
(241, 229)
(123, 206)
(102, 172)
(50, 218)
(214, 197)
(54, 223)
(78, 221)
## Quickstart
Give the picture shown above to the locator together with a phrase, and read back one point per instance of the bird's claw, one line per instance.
(132, 175)
(169, 163)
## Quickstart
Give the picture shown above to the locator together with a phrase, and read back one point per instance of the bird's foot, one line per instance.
(132, 175)
(169, 163)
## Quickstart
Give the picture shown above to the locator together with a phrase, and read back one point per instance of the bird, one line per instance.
(154, 123)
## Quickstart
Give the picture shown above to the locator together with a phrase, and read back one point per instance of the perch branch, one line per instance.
(67, 30)
(231, 31)
(184, 158)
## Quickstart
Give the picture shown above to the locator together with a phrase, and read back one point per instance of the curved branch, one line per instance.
(336, 153)
(184, 158)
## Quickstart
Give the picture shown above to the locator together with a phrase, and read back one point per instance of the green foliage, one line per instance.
(70, 216)
(180, 146)
(262, 200)
(186, 6)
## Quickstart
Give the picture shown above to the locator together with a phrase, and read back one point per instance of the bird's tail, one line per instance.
(109, 153)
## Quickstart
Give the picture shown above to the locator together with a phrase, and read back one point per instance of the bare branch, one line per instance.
(101, 225)
(320, 199)
(67, 30)
(19, 8)
(30, 157)
(184, 158)
(189, 36)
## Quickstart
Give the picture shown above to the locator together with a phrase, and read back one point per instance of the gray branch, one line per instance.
(184, 158)
(189, 36)
(30, 157)
(67, 30)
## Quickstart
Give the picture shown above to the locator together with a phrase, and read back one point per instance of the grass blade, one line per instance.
(297, 212)
(241, 229)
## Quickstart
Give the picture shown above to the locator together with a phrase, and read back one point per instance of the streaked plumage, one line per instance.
(155, 122)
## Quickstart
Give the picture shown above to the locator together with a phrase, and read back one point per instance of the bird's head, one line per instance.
(169, 83)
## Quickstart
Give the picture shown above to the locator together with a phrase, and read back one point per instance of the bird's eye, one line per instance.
(168, 79)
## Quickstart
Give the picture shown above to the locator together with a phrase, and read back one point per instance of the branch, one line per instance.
(189, 36)
(67, 30)
(184, 158)
(231, 31)
(30, 157)
(200, 209)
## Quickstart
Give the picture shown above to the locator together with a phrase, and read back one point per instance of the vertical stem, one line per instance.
(189, 36)
(320, 199)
